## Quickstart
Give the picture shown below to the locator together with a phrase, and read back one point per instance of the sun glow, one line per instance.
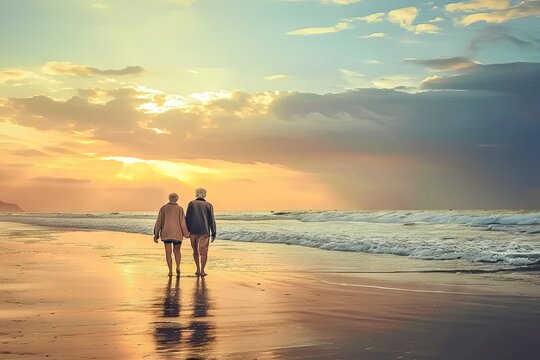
(124, 159)
(206, 97)
(135, 169)
(158, 102)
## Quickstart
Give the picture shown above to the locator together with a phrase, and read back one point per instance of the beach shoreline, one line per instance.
(68, 294)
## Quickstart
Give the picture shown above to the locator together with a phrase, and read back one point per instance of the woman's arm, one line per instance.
(183, 225)
(159, 224)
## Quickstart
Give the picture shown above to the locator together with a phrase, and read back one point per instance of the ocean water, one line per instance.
(503, 239)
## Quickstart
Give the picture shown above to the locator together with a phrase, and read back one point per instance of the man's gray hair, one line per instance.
(173, 197)
(200, 193)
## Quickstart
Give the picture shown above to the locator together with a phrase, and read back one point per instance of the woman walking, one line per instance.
(171, 227)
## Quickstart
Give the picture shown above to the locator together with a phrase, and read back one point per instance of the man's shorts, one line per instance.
(200, 243)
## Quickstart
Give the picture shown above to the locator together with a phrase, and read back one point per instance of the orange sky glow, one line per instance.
(270, 105)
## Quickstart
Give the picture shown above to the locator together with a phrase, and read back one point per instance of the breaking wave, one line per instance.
(505, 237)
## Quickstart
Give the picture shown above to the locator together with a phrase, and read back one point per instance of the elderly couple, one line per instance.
(198, 224)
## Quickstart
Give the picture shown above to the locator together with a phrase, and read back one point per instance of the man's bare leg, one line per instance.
(204, 242)
(203, 264)
(168, 256)
(177, 256)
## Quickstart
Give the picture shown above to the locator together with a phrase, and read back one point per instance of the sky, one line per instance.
(270, 104)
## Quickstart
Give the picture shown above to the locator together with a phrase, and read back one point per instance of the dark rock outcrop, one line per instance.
(7, 207)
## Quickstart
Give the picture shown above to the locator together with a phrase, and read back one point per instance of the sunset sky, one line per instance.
(270, 104)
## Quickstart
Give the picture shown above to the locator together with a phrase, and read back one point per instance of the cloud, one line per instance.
(477, 5)
(340, 2)
(77, 114)
(28, 153)
(399, 149)
(60, 150)
(56, 180)
(444, 64)
(373, 18)
(373, 36)
(499, 33)
(404, 17)
(518, 11)
(353, 79)
(18, 76)
(356, 80)
(128, 70)
(393, 81)
(437, 19)
(321, 30)
(445, 127)
(276, 77)
(370, 61)
(519, 78)
(7, 75)
(426, 29)
(67, 68)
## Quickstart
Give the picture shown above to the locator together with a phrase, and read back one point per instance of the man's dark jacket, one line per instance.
(200, 218)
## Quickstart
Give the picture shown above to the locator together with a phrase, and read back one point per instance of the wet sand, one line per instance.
(68, 294)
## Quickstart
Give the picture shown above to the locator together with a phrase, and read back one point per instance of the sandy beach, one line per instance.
(68, 294)
(366, 169)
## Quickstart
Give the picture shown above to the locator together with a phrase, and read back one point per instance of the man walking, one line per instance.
(201, 225)
(171, 227)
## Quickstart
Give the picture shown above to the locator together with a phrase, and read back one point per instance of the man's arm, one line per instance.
(212, 222)
(189, 212)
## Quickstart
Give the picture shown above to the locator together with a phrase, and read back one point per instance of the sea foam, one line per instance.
(505, 237)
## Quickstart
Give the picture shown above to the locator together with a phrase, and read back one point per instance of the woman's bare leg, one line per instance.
(177, 256)
(168, 256)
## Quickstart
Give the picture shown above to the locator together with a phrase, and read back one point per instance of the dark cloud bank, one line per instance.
(471, 140)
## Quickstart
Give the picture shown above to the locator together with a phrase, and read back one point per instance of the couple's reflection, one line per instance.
(169, 333)
(201, 330)
(177, 324)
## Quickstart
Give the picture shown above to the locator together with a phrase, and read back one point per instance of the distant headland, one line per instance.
(7, 207)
